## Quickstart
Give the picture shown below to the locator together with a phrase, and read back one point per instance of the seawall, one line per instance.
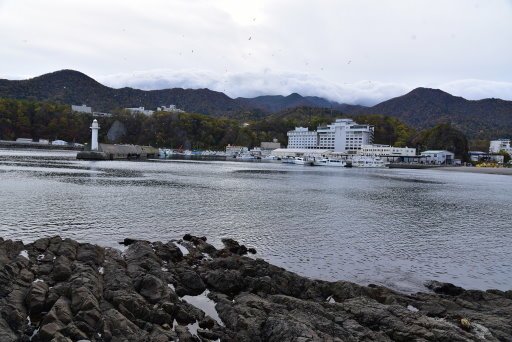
(23, 145)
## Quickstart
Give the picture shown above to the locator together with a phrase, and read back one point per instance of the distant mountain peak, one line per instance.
(68, 73)
(294, 96)
(67, 77)
(422, 91)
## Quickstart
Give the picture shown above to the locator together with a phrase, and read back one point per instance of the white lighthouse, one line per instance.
(94, 137)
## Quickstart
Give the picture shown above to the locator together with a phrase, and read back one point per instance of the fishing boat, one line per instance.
(302, 161)
(329, 162)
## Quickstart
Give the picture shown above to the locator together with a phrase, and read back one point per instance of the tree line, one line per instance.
(47, 120)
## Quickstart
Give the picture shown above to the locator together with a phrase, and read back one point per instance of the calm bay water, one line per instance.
(392, 227)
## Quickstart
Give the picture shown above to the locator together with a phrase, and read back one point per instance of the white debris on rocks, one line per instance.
(192, 328)
(205, 304)
(182, 248)
(412, 308)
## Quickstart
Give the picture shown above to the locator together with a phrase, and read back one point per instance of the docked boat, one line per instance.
(368, 161)
(329, 162)
(302, 161)
(245, 156)
(164, 153)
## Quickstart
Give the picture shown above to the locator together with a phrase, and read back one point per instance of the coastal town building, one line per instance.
(266, 147)
(496, 146)
(302, 138)
(483, 157)
(88, 110)
(140, 110)
(438, 157)
(343, 135)
(171, 109)
(101, 114)
(270, 145)
(300, 152)
(81, 109)
(387, 150)
(233, 150)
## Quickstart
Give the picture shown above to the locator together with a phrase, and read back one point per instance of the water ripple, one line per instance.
(392, 227)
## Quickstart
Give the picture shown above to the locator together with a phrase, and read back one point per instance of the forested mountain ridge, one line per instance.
(73, 87)
(421, 108)
(424, 107)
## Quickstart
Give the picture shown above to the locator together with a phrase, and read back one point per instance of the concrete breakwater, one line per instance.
(60, 290)
(111, 152)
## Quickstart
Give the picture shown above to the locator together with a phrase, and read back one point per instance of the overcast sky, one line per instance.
(360, 51)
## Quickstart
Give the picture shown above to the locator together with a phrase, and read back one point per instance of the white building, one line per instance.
(387, 150)
(172, 109)
(300, 152)
(302, 138)
(479, 156)
(233, 151)
(267, 147)
(81, 109)
(140, 110)
(101, 114)
(344, 135)
(438, 157)
(270, 145)
(501, 144)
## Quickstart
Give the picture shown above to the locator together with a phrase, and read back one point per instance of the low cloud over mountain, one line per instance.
(252, 84)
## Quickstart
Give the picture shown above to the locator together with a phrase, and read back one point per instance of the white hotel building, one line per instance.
(344, 135)
(302, 138)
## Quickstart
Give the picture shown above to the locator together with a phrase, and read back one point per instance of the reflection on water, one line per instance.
(394, 227)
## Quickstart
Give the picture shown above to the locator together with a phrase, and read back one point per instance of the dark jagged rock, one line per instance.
(62, 290)
(444, 288)
(234, 247)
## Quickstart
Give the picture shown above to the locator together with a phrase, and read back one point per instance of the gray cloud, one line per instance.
(268, 82)
(326, 48)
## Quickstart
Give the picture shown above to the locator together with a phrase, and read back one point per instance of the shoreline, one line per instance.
(505, 171)
(61, 289)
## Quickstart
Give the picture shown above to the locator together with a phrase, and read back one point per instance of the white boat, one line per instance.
(329, 162)
(164, 152)
(288, 160)
(270, 157)
(368, 161)
(245, 156)
(302, 161)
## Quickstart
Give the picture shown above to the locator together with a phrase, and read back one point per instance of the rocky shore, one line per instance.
(60, 290)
